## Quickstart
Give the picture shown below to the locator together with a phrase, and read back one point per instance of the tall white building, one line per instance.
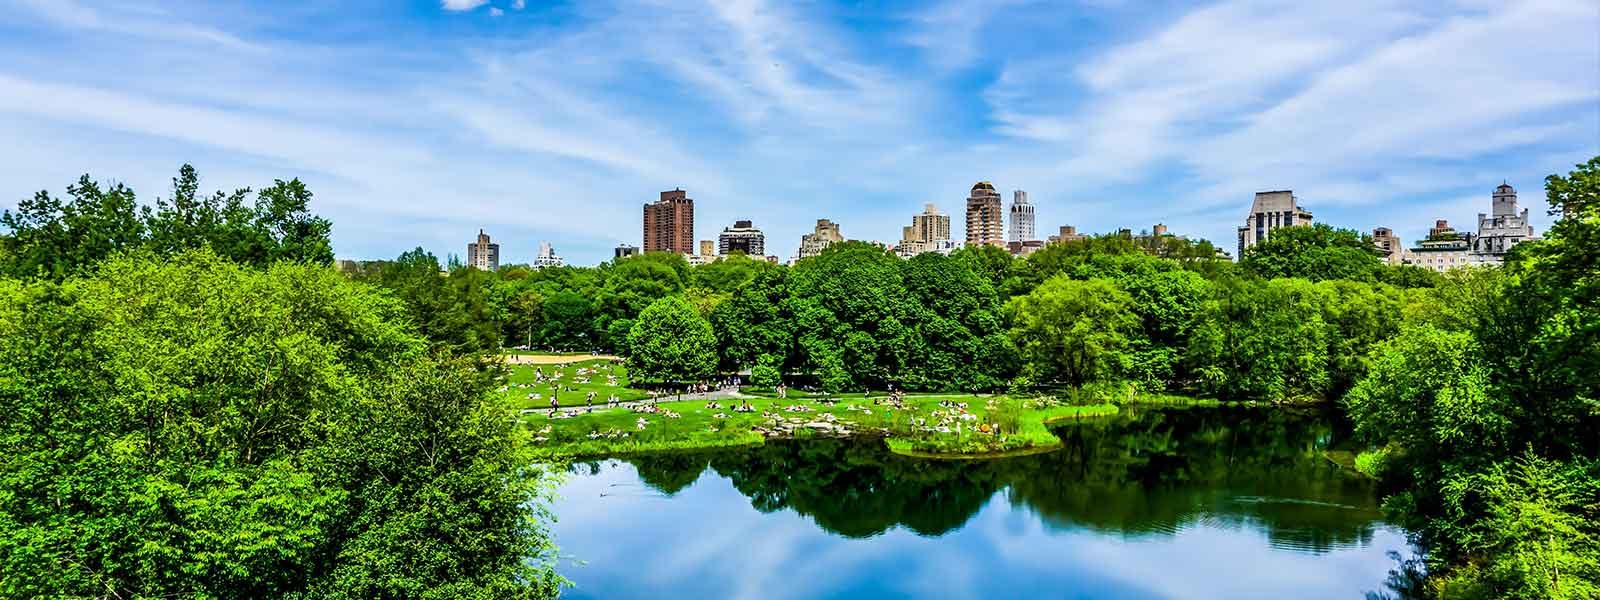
(1021, 218)
(483, 254)
(547, 257)
(1271, 210)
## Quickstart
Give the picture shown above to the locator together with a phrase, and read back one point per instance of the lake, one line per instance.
(1155, 503)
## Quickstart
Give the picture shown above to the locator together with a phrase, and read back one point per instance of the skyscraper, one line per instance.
(669, 223)
(482, 254)
(928, 232)
(1269, 211)
(742, 237)
(1021, 217)
(624, 251)
(985, 223)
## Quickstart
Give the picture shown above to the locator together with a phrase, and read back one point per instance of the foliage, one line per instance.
(186, 426)
(1261, 340)
(1316, 252)
(671, 343)
(51, 238)
(1491, 392)
(1074, 332)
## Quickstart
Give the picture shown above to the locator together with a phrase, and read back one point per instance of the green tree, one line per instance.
(49, 238)
(187, 426)
(1317, 252)
(670, 342)
(1074, 332)
(1261, 340)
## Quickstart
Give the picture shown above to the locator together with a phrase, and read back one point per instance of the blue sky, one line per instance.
(419, 122)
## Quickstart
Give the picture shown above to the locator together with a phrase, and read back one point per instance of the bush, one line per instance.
(1372, 463)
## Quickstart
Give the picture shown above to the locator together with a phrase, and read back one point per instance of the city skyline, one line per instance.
(418, 124)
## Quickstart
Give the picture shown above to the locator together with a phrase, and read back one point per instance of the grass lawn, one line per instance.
(922, 427)
(521, 383)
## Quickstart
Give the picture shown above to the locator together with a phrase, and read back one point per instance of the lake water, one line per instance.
(1169, 503)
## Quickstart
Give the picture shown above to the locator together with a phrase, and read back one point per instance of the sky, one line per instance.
(419, 122)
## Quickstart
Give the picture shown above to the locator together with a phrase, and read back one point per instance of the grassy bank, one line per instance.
(932, 423)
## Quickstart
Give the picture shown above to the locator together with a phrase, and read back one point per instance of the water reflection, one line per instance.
(1205, 495)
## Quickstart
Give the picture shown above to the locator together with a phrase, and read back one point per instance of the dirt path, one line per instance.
(550, 359)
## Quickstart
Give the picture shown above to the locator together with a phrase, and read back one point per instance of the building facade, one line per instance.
(742, 237)
(1389, 244)
(985, 220)
(483, 254)
(624, 251)
(826, 234)
(1067, 233)
(547, 257)
(928, 232)
(1444, 249)
(1021, 218)
(1270, 211)
(1502, 228)
(669, 223)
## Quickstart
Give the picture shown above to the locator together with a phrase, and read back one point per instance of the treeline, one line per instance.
(52, 238)
(1165, 313)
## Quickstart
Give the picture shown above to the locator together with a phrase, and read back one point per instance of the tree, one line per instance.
(670, 342)
(1262, 341)
(1317, 252)
(754, 324)
(187, 426)
(1074, 332)
(852, 316)
(54, 239)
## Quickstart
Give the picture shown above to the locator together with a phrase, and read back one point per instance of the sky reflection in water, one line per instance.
(1165, 504)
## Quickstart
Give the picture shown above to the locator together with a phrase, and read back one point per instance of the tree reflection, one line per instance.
(1145, 473)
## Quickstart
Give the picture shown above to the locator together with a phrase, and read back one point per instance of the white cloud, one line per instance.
(494, 11)
(461, 4)
(519, 4)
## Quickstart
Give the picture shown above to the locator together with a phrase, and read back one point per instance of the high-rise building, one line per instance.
(1021, 218)
(1389, 244)
(928, 232)
(743, 237)
(812, 244)
(624, 251)
(706, 255)
(482, 254)
(669, 223)
(547, 257)
(1502, 228)
(985, 221)
(1270, 211)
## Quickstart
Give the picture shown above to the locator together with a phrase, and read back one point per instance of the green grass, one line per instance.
(572, 392)
(697, 427)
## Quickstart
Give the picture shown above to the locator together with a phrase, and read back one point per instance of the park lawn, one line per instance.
(572, 392)
(697, 427)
